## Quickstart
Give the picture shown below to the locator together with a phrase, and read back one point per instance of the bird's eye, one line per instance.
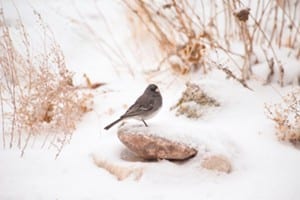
(153, 88)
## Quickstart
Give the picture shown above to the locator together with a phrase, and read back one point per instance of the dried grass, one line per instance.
(193, 102)
(186, 31)
(286, 116)
(37, 95)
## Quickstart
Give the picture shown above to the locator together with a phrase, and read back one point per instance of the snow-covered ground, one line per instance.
(263, 168)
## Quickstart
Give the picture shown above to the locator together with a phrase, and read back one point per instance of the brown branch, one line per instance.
(231, 75)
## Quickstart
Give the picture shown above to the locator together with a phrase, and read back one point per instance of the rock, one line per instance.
(128, 155)
(217, 162)
(152, 147)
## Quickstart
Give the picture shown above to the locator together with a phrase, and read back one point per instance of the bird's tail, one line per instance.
(113, 123)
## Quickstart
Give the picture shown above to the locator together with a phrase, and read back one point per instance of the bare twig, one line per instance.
(231, 75)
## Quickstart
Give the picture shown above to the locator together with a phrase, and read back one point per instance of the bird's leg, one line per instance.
(145, 123)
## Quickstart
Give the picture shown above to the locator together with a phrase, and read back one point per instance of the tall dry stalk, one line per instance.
(37, 95)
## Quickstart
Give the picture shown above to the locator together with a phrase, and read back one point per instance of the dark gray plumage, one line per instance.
(145, 107)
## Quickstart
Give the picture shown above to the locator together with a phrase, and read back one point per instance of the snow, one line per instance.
(263, 168)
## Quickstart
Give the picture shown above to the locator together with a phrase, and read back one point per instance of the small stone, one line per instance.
(217, 162)
(151, 147)
(128, 155)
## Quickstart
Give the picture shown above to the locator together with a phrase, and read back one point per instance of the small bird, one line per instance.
(145, 107)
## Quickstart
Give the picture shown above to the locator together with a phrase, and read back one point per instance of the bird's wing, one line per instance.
(141, 105)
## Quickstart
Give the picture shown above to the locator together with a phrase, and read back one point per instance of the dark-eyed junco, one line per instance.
(145, 107)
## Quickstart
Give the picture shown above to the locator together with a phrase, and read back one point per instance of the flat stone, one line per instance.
(217, 162)
(153, 147)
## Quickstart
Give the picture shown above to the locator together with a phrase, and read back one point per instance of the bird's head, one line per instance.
(153, 88)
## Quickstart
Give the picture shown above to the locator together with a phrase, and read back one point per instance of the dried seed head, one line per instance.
(242, 14)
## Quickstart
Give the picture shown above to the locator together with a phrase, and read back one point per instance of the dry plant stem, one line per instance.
(266, 38)
(213, 19)
(246, 38)
(275, 24)
(184, 19)
(203, 12)
(156, 26)
(52, 142)
(12, 90)
(45, 140)
(228, 24)
(284, 14)
(120, 53)
(260, 20)
(200, 21)
(25, 41)
(297, 28)
(142, 20)
(180, 17)
(103, 44)
(162, 61)
(268, 41)
(292, 19)
(230, 56)
(13, 123)
(189, 20)
(281, 74)
(2, 118)
(61, 146)
(26, 144)
(271, 67)
(231, 75)
(248, 50)
(282, 26)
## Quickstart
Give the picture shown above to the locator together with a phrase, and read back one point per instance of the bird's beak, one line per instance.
(156, 90)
